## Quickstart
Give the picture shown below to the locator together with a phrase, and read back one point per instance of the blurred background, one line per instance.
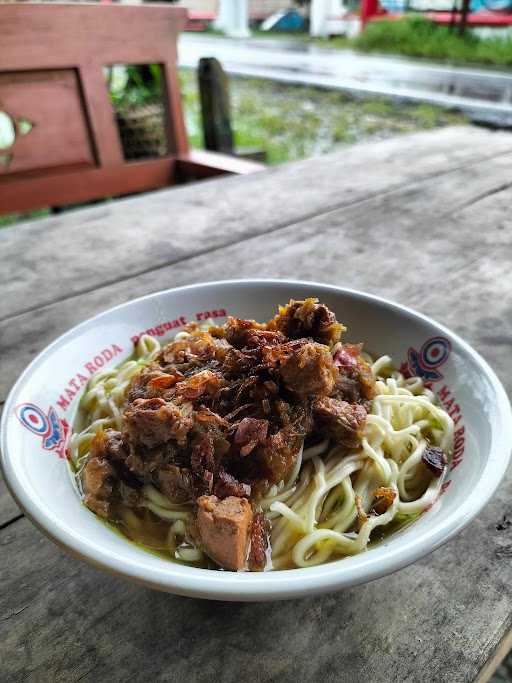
(290, 80)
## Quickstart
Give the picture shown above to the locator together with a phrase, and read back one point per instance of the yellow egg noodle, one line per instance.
(329, 493)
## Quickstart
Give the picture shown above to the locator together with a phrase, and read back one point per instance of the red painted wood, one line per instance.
(53, 35)
(51, 101)
(73, 184)
(100, 116)
(474, 18)
(199, 15)
(176, 131)
(77, 184)
(445, 18)
(74, 153)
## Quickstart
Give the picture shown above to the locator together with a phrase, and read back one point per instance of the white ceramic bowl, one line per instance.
(42, 405)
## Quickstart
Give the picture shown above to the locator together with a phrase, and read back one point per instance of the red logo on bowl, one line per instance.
(53, 430)
(426, 362)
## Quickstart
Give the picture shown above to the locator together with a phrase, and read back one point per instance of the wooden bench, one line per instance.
(54, 92)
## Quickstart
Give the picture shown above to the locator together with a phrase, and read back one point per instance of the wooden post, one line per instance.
(215, 106)
(453, 16)
(216, 111)
(464, 16)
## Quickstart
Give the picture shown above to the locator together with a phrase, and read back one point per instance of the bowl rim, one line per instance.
(205, 583)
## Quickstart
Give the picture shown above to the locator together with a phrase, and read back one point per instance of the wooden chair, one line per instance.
(54, 92)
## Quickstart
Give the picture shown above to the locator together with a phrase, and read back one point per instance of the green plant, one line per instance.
(294, 122)
(135, 84)
(419, 37)
(12, 218)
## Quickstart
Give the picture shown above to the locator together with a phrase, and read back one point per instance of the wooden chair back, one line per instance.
(54, 92)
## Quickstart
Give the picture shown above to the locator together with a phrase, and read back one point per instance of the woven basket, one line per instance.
(142, 131)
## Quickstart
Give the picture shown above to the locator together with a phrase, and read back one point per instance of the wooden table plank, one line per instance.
(9, 511)
(440, 246)
(471, 623)
(79, 251)
(67, 622)
(416, 223)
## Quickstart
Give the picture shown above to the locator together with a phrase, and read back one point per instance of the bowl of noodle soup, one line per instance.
(432, 449)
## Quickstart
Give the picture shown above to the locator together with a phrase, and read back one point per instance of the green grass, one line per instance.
(414, 36)
(417, 36)
(11, 218)
(296, 122)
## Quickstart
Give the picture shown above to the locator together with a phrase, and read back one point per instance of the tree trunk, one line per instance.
(464, 17)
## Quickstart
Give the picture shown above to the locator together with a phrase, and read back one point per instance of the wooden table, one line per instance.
(424, 220)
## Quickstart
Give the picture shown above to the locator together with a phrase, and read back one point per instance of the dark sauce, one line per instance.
(149, 532)
(151, 535)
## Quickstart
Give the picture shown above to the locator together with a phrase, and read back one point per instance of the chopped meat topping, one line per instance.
(154, 421)
(248, 334)
(277, 457)
(308, 319)
(220, 416)
(227, 486)
(346, 356)
(236, 363)
(343, 421)
(195, 349)
(205, 382)
(175, 483)
(249, 433)
(224, 529)
(259, 542)
(355, 381)
(362, 517)
(163, 381)
(152, 382)
(109, 444)
(98, 482)
(131, 497)
(106, 478)
(306, 368)
(435, 459)
(385, 497)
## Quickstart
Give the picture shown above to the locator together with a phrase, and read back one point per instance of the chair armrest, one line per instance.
(198, 164)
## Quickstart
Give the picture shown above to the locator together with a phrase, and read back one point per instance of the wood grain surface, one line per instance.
(52, 102)
(9, 511)
(424, 220)
(115, 241)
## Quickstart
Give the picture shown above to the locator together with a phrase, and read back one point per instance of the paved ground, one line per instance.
(485, 95)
